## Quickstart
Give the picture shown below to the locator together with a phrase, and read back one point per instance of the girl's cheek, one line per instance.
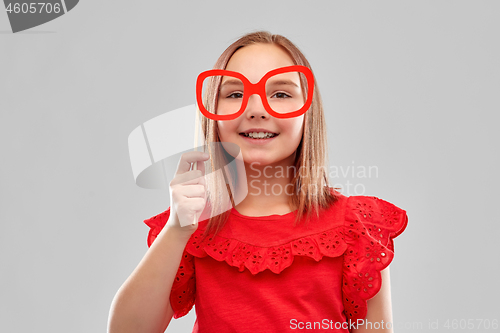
(224, 130)
(221, 128)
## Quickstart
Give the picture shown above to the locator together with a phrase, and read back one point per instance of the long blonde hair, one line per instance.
(312, 192)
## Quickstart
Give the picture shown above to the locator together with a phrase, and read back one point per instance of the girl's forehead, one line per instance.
(254, 61)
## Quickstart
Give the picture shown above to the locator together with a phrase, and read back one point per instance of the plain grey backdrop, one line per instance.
(411, 87)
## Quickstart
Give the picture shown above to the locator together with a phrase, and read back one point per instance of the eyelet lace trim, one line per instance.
(256, 259)
(371, 224)
(183, 291)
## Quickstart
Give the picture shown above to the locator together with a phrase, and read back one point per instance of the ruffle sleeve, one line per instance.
(182, 295)
(370, 226)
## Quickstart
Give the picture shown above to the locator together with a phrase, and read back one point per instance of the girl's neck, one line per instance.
(269, 188)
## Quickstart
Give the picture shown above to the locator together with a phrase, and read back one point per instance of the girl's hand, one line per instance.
(187, 194)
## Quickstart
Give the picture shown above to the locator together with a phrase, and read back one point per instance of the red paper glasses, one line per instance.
(281, 90)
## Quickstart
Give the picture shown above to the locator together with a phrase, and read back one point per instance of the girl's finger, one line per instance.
(188, 158)
(201, 166)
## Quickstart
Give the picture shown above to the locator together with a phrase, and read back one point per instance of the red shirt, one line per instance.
(262, 274)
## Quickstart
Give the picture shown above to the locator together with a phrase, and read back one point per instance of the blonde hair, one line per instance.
(312, 192)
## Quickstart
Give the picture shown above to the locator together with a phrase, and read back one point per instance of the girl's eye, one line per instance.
(235, 95)
(281, 95)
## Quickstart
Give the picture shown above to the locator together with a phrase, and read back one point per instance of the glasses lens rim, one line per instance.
(219, 75)
(256, 88)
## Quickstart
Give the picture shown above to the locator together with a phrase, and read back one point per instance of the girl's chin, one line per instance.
(261, 161)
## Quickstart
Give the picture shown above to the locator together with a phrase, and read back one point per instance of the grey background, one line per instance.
(408, 86)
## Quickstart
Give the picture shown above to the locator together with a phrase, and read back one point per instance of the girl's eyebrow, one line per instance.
(284, 82)
(277, 82)
(232, 81)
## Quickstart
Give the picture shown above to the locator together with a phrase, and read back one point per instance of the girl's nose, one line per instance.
(255, 107)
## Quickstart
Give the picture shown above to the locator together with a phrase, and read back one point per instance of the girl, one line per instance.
(293, 253)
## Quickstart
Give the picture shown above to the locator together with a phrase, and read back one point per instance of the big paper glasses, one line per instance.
(285, 92)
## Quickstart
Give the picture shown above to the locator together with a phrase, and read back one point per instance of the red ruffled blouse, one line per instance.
(262, 274)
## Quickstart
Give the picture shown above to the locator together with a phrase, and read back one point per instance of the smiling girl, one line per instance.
(293, 253)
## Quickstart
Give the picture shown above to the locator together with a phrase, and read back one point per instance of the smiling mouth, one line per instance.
(259, 136)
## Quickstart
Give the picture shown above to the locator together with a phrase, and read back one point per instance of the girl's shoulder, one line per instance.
(350, 222)
(359, 216)
(271, 242)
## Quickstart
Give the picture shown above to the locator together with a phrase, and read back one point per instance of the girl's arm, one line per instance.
(142, 304)
(379, 309)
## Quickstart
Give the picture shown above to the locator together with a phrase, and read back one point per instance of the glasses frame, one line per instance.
(258, 88)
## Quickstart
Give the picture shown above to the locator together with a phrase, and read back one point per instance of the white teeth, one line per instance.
(259, 135)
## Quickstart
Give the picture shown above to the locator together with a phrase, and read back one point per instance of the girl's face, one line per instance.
(254, 61)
